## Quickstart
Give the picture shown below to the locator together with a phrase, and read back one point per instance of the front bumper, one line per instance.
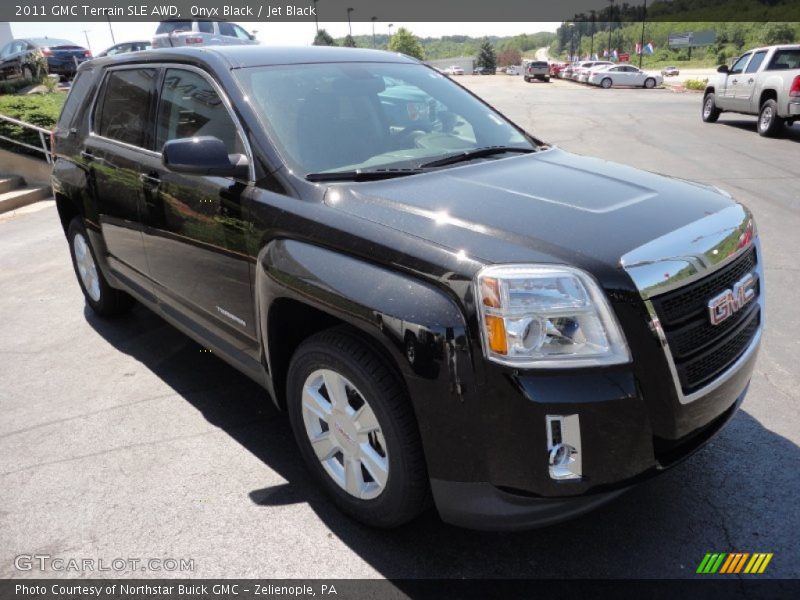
(485, 506)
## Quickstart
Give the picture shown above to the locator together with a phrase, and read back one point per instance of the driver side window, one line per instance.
(739, 65)
(123, 114)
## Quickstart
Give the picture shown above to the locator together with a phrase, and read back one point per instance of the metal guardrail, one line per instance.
(44, 135)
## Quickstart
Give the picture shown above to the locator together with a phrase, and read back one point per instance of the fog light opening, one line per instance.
(564, 447)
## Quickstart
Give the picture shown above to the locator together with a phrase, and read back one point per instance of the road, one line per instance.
(123, 439)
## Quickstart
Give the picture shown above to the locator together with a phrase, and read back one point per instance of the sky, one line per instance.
(272, 34)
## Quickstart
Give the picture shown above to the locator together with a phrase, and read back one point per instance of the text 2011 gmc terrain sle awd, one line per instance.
(449, 310)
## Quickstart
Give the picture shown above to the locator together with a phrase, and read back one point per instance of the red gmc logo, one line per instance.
(727, 303)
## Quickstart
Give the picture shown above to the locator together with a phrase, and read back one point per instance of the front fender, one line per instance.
(393, 309)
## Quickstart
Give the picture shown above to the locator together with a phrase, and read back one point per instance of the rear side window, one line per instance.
(77, 97)
(190, 107)
(170, 26)
(122, 114)
(755, 63)
(785, 59)
(205, 26)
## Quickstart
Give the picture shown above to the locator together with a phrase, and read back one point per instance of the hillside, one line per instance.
(461, 45)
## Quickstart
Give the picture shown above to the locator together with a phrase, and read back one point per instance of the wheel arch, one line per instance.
(302, 288)
(767, 94)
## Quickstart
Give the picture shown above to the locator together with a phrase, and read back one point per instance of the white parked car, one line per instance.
(581, 73)
(513, 70)
(624, 75)
(454, 70)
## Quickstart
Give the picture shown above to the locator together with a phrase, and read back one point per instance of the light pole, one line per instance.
(571, 41)
(316, 20)
(349, 25)
(610, 24)
(373, 19)
(113, 41)
(641, 43)
(591, 44)
(390, 31)
(86, 35)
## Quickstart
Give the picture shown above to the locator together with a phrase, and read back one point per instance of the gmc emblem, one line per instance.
(727, 303)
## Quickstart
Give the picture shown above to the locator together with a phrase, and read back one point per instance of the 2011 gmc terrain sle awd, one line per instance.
(449, 309)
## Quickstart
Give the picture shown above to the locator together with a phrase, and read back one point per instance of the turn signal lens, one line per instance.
(496, 335)
(490, 292)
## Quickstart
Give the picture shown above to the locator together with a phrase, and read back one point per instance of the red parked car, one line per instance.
(555, 68)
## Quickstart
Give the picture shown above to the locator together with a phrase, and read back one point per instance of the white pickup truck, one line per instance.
(763, 82)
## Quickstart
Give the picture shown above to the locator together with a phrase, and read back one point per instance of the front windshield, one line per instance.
(356, 116)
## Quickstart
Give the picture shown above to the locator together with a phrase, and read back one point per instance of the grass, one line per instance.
(36, 109)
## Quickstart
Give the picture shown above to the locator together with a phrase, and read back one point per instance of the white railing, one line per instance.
(44, 135)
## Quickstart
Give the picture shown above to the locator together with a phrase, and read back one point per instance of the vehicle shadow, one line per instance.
(786, 133)
(737, 494)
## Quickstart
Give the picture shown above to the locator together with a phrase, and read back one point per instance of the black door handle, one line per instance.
(751, 80)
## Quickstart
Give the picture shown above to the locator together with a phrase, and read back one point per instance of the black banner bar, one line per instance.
(448, 11)
(711, 587)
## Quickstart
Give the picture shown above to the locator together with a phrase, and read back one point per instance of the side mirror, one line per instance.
(723, 69)
(203, 155)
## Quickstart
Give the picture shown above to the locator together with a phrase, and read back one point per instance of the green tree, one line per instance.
(405, 42)
(323, 38)
(777, 33)
(349, 42)
(486, 56)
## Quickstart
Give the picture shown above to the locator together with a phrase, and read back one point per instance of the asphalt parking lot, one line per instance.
(123, 439)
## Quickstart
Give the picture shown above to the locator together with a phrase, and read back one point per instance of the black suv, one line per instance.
(448, 309)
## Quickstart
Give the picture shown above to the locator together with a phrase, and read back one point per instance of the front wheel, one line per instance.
(606, 83)
(100, 296)
(356, 430)
(769, 123)
(710, 111)
(649, 83)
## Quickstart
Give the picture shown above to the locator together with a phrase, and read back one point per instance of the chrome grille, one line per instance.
(700, 350)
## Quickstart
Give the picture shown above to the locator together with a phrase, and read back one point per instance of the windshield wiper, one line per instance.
(362, 174)
(476, 153)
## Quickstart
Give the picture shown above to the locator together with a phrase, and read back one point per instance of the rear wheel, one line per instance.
(710, 111)
(27, 73)
(606, 83)
(356, 430)
(769, 123)
(649, 83)
(100, 296)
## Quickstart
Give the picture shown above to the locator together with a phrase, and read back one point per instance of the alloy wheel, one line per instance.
(345, 434)
(87, 269)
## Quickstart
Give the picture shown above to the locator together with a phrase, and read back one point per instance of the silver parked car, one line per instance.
(198, 33)
(624, 75)
(125, 47)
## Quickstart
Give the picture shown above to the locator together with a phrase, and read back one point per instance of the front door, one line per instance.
(726, 95)
(195, 233)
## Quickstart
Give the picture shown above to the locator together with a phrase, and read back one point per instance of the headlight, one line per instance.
(546, 316)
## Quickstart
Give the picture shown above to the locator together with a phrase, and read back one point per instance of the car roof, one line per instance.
(241, 56)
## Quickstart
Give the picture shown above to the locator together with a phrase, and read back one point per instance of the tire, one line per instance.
(769, 123)
(710, 113)
(547, 80)
(649, 83)
(103, 299)
(27, 73)
(398, 490)
(527, 79)
(606, 83)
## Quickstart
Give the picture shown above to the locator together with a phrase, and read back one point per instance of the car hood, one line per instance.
(551, 206)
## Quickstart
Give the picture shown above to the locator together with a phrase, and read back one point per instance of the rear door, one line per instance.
(115, 149)
(195, 234)
(747, 85)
